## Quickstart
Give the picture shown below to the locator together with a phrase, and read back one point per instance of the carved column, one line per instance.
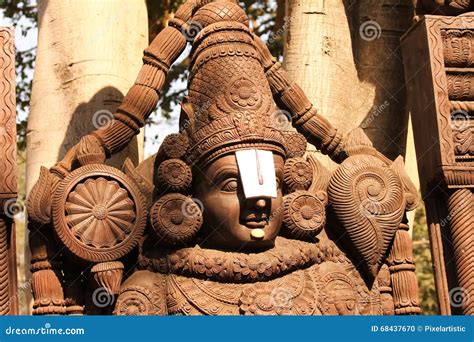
(8, 171)
(461, 213)
(402, 273)
(438, 56)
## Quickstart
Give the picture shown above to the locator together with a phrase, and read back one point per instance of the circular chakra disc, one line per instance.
(98, 213)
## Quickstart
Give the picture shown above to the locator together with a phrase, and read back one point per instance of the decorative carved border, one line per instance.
(8, 168)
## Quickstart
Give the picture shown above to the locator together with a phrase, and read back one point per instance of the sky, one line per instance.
(163, 126)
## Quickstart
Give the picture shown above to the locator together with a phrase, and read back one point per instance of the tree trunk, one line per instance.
(345, 55)
(89, 53)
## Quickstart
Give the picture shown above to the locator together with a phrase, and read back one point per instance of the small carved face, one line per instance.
(232, 221)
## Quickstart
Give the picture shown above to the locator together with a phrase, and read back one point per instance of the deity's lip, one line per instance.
(256, 223)
(256, 217)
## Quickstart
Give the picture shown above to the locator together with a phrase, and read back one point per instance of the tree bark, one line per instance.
(345, 55)
(89, 53)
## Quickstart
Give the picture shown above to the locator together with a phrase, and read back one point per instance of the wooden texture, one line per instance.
(438, 58)
(208, 248)
(8, 172)
(8, 168)
(80, 79)
(346, 57)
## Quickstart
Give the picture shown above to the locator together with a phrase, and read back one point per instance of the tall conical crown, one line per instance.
(230, 104)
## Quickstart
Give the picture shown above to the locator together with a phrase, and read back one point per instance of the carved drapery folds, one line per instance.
(106, 221)
(438, 60)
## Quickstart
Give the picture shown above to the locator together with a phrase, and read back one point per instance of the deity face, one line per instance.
(232, 221)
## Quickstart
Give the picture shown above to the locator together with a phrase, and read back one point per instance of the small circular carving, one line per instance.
(175, 175)
(374, 189)
(298, 174)
(244, 93)
(304, 214)
(175, 145)
(98, 213)
(171, 221)
(295, 145)
(134, 302)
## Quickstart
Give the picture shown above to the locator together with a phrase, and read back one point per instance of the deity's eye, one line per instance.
(278, 181)
(229, 185)
(279, 178)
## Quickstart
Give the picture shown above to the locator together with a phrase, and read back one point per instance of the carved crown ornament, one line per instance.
(212, 232)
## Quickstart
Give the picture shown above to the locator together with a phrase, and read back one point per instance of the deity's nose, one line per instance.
(261, 203)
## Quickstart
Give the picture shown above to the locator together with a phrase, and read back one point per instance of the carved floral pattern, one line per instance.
(176, 218)
(304, 215)
(99, 213)
(285, 257)
(244, 93)
(174, 174)
(298, 174)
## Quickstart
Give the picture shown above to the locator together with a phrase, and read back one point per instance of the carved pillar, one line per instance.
(461, 213)
(46, 276)
(385, 284)
(8, 171)
(402, 273)
(438, 56)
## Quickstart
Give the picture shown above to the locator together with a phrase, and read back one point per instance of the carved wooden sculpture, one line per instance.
(438, 55)
(8, 182)
(443, 7)
(235, 219)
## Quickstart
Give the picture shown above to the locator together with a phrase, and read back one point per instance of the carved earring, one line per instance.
(176, 218)
(297, 174)
(174, 175)
(304, 214)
